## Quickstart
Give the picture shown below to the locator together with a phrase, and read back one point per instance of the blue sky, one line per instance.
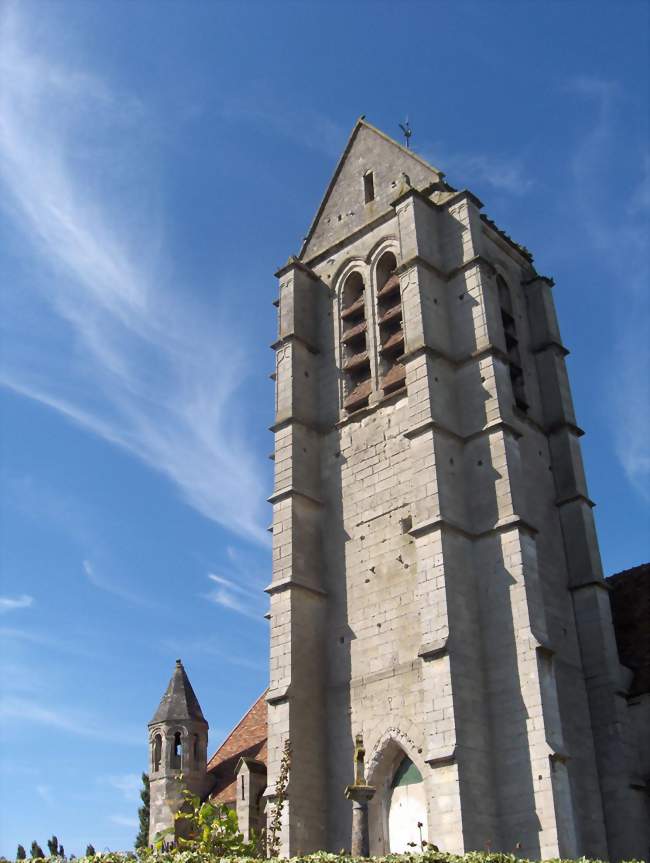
(158, 161)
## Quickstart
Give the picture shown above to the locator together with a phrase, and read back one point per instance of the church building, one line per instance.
(437, 589)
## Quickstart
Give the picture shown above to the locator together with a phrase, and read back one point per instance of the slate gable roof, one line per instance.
(179, 701)
(248, 739)
(630, 601)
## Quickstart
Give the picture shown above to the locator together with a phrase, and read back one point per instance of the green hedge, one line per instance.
(190, 856)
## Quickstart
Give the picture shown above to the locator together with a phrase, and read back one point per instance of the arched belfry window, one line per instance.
(156, 757)
(407, 810)
(354, 344)
(177, 749)
(391, 324)
(512, 344)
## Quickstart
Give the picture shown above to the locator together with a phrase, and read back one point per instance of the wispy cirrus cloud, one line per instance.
(302, 124)
(126, 360)
(101, 582)
(128, 784)
(72, 720)
(40, 639)
(11, 603)
(242, 589)
(505, 173)
(45, 793)
(231, 595)
(124, 820)
(215, 648)
(618, 230)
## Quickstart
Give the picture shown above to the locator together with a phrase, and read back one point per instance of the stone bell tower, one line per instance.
(178, 741)
(437, 585)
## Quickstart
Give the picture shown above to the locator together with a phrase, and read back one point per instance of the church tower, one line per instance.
(437, 585)
(178, 742)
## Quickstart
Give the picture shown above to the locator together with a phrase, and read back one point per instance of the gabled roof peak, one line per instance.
(342, 208)
(179, 701)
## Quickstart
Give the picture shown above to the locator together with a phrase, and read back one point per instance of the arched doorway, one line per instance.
(400, 801)
(407, 809)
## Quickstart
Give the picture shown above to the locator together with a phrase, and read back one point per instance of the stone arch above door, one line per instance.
(388, 757)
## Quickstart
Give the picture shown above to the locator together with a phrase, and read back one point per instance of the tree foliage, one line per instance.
(142, 839)
(90, 851)
(198, 855)
(21, 854)
(36, 851)
(209, 829)
(275, 821)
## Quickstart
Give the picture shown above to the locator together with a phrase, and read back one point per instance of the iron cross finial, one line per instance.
(407, 132)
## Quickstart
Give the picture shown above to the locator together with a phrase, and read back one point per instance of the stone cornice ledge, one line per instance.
(434, 649)
(291, 491)
(441, 756)
(293, 337)
(441, 523)
(435, 426)
(438, 354)
(559, 755)
(459, 195)
(438, 523)
(592, 582)
(287, 421)
(277, 696)
(544, 647)
(476, 261)
(571, 498)
(551, 345)
(508, 523)
(429, 425)
(494, 426)
(422, 261)
(537, 278)
(295, 264)
(429, 351)
(289, 584)
(486, 351)
(560, 425)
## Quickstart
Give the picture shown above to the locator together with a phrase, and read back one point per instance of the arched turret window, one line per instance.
(512, 344)
(391, 325)
(156, 756)
(177, 749)
(354, 344)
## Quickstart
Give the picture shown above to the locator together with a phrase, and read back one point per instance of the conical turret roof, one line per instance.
(179, 701)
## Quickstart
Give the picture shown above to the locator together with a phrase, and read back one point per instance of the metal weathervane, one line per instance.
(407, 132)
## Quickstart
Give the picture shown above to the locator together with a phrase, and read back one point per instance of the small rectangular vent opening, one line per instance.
(368, 187)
